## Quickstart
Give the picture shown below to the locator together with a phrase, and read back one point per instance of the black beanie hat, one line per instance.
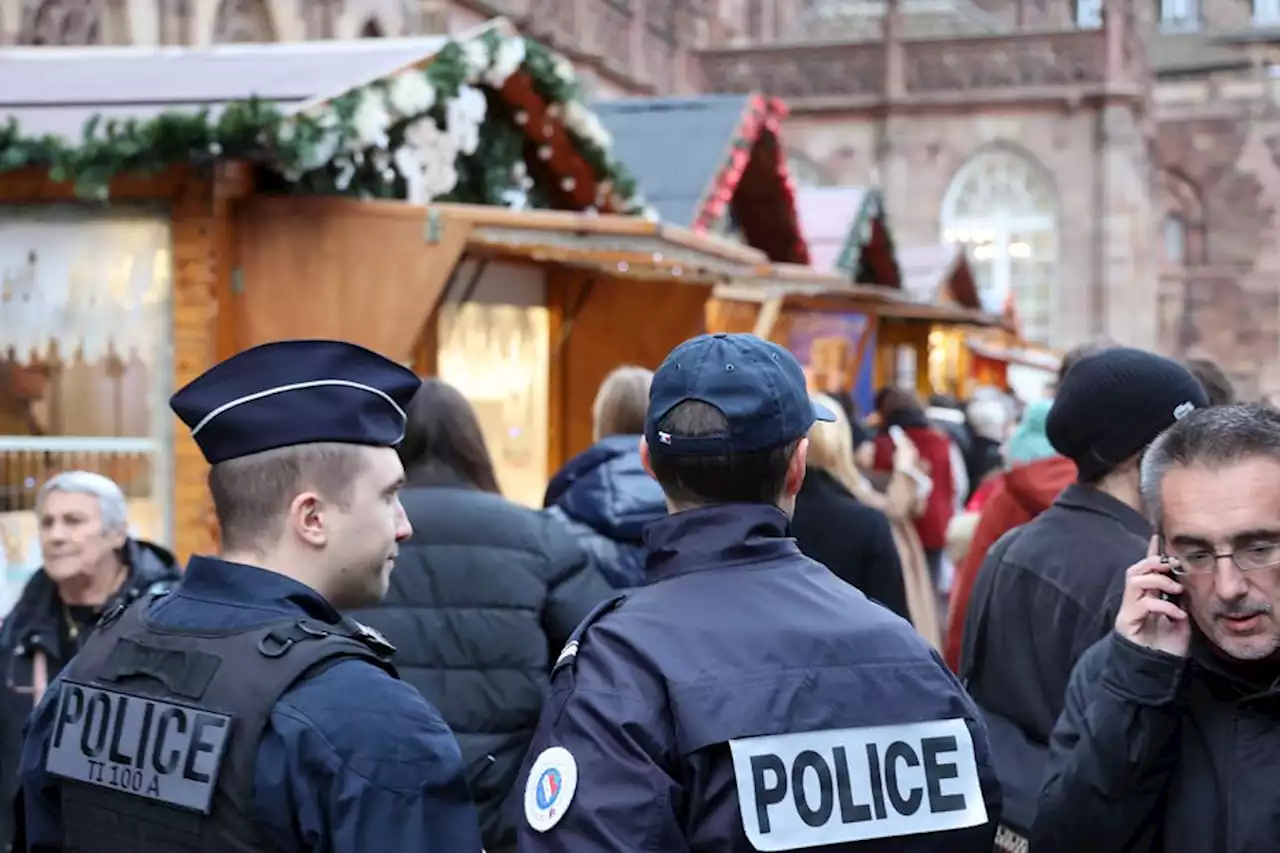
(1112, 404)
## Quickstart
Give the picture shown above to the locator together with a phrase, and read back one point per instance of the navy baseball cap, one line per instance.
(758, 386)
(296, 392)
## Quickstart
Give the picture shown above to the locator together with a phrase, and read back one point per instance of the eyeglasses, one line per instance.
(1252, 558)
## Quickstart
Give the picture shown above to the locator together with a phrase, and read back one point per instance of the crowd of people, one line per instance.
(739, 584)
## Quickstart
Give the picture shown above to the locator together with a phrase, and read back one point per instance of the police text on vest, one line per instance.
(138, 745)
(840, 785)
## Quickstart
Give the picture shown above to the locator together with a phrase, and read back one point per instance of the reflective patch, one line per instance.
(567, 654)
(845, 785)
(1009, 841)
(138, 745)
(549, 789)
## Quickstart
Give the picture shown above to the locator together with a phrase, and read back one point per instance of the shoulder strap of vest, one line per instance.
(973, 641)
(568, 655)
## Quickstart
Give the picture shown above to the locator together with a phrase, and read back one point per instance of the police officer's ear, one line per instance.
(307, 520)
(795, 468)
(644, 458)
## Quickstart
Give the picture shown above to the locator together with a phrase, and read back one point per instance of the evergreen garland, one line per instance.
(297, 149)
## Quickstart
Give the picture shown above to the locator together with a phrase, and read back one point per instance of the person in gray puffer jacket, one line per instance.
(604, 495)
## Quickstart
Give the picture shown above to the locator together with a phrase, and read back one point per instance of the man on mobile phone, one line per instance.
(1170, 739)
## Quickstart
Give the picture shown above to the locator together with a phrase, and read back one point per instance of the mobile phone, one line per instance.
(1167, 561)
(897, 434)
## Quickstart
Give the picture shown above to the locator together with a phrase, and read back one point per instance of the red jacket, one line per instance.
(1021, 495)
(935, 460)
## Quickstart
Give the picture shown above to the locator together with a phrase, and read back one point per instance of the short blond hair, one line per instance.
(621, 402)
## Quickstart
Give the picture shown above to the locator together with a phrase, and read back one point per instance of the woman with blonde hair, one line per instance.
(604, 495)
(833, 484)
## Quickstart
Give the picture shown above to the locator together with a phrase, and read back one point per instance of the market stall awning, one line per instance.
(712, 163)
(868, 255)
(821, 292)
(1027, 356)
(409, 118)
(620, 246)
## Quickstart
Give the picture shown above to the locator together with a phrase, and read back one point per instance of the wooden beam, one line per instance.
(770, 311)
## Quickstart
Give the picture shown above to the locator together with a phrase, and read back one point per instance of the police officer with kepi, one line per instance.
(241, 712)
(745, 698)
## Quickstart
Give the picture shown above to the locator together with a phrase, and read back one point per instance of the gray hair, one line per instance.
(115, 512)
(1213, 437)
(990, 417)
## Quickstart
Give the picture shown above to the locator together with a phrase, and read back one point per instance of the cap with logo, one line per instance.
(296, 392)
(1114, 403)
(757, 385)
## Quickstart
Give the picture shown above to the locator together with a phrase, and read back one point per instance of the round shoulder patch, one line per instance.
(549, 788)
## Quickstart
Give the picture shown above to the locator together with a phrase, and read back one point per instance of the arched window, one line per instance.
(805, 172)
(371, 29)
(1001, 206)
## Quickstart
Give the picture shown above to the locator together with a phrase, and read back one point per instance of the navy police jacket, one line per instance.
(351, 761)
(748, 699)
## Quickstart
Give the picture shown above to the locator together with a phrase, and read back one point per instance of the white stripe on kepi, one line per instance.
(299, 386)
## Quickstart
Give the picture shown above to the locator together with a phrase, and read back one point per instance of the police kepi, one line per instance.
(745, 698)
(242, 712)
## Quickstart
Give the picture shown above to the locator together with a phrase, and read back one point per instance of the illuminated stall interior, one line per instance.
(86, 299)
(542, 306)
(714, 163)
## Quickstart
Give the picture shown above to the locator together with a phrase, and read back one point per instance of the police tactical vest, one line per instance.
(157, 729)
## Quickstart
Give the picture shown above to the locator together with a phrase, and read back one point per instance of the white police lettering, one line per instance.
(138, 745)
(844, 785)
(549, 789)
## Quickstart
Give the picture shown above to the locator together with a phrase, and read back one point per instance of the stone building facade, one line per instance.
(1117, 172)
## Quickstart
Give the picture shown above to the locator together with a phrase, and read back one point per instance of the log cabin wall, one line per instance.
(196, 285)
(609, 322)
(360, 271)
(732, 316)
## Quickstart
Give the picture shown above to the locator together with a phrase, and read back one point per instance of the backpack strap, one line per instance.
(973, 645)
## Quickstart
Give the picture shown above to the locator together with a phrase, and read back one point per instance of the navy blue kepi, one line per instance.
(296, 392)
(758, 386)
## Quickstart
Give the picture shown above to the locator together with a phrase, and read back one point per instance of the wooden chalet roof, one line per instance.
(55, 90)
(826, 215)
(701, 159)
(868, 253)
(939, 273)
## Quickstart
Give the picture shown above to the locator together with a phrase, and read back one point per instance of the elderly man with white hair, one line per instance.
(89, 564)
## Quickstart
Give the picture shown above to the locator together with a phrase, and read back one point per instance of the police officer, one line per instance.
(241, 712)
(745, 698)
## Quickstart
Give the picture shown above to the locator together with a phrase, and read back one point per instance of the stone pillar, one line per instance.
(1127, 268)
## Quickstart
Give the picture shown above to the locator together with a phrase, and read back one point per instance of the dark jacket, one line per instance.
(483, 596)
(30, 640)
(740, 666)
(852, 540)
(606, 498)
(1157, 754)
(1040, 601)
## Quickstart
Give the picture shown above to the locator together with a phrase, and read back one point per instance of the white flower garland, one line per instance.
(427, 159)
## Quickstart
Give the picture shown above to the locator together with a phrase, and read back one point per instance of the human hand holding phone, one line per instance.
(1150, 614)
(906, 456)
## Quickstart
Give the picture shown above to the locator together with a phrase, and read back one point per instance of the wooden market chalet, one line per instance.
(166, 208)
